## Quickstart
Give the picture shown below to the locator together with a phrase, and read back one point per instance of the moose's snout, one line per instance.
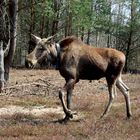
(30, 62)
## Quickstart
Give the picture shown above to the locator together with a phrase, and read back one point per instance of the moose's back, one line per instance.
(82, 61)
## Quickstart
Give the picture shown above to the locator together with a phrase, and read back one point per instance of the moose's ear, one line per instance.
(49, 38)
(35, 39)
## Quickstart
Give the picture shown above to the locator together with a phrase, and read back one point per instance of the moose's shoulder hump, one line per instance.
(68, 40)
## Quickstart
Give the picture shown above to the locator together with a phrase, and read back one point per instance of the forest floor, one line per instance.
(30, 109)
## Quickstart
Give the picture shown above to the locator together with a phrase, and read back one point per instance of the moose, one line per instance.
(77, 60)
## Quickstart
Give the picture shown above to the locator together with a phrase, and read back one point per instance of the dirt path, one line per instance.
(35, 110)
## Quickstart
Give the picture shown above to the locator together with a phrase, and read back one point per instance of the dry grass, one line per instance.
(89, 102)
(28, 101)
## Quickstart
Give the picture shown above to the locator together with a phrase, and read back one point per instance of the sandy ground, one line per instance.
(35, 110)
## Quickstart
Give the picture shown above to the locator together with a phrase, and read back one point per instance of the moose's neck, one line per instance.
(57, 46)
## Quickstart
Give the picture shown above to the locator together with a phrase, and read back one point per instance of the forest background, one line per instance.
(100, 23)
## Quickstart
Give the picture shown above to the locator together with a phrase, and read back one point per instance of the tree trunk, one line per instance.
(130, 35)
(109, 41)
(97, 38)
(82, 33)
(88, 37)
(42, 24)
(13, 7)
(31, 25)
(68, 26)
(1, 66)
(3, 39)
(55, 21)
(128, 51)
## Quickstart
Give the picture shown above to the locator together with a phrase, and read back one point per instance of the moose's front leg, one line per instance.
(69, 88)
(69, 98)
(67, 110)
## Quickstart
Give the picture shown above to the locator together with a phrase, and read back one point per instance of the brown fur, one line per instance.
(81, 61)
(86, 62)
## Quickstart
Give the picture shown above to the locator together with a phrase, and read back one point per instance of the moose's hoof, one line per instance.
(103, 116)
(67, 118)
(69, 115)
(129, 116)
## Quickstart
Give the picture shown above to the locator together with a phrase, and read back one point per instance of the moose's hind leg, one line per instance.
(125, 91)
(111, 81)
(111, 98)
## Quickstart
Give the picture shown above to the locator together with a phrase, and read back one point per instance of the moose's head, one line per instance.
(44, 50)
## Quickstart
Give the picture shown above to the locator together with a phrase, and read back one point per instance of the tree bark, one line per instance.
(2, 38)
(68, 26)
(82, 33)
(13, 7)
(130, 36)
(88, 37)
(42, 26)
(1, 67)
(32, 24)
(56, 20)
